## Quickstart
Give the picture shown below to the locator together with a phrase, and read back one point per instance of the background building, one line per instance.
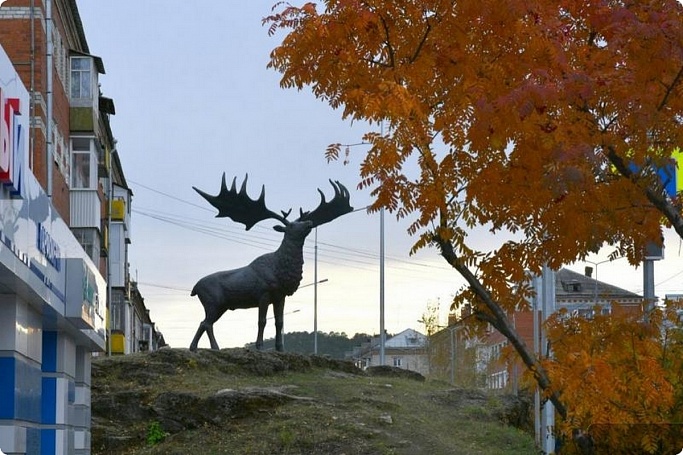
(479, 361)
(407, 350)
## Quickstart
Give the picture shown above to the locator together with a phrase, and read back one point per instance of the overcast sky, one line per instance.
(194, 99)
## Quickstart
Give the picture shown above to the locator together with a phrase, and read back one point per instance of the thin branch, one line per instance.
(392, 61)
(670, 89)
(422, 42)
(377, 62)
(608, 124)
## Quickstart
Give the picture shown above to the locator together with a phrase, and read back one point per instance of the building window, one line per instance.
(398, 362)
(89, 241)
(81, 78)
(83, 164)
(118, 312)
(81, 170)
(498, 380)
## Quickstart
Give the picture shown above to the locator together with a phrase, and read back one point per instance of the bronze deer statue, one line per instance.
(270, 277)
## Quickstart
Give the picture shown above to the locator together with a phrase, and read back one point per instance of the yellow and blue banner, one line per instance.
(672, 175)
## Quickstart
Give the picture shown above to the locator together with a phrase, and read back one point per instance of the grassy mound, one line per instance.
(237, 401)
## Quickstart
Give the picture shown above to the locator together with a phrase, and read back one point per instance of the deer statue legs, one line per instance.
(204, 326)
(278, 310)
(262, 316)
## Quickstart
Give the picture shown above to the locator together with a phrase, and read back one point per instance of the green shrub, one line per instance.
(155, 434)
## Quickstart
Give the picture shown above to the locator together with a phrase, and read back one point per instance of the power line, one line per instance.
(164, 286)
(670, 278)
(360, 252)
(238, 236)
(170, 196)
(346, 255)
(350, 257)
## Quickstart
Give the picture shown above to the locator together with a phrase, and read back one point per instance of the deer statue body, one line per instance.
(270, 278)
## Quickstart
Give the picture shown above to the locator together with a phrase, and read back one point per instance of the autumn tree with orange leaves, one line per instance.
(621, 379)
(542, 122)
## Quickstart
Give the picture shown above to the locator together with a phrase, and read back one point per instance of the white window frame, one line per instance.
(77, 91)
(78, 178)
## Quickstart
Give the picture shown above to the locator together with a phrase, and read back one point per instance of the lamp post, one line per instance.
(596, 264)
(595, 279)
(315, 311)
(285, 314)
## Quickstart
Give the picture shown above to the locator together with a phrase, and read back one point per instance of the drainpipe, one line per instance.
(32, 102)
(110, 197)
(48, 95)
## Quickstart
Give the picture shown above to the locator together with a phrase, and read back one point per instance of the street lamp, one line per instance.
(311, 284)
(596, 264)
(315, 311)
(289, 312)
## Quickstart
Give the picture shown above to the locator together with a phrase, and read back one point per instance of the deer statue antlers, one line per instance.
(328, 211)
(238, 206)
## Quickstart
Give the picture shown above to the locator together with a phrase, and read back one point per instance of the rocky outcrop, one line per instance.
(394, 372)
(175, 401)
(126, 390)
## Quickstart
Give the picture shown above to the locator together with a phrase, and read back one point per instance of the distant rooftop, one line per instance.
(574, 287)
(409, 338)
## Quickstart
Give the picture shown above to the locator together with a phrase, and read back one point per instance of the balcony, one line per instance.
(84, 92)
(85, 209)
(118, 209)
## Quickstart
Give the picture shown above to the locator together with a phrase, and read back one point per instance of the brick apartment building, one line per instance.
(64, 230)
(478, 361)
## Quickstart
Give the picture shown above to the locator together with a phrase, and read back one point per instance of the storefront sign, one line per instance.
(50, 249)
(13, 129)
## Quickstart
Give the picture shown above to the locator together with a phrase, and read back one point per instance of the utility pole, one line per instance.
(653, 252)
(548, 411)
(382, 336)
(544, 415)
(315, 295)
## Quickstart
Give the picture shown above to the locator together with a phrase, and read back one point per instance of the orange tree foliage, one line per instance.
(542, 122)
(622, 378)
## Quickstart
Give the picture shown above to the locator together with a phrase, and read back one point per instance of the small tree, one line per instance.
(430, 318)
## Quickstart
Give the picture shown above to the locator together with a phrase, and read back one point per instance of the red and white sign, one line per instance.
(14, 122)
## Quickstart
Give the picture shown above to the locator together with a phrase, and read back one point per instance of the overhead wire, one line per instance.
(360, 259)
(351, 257)
(267, 242)
(328, 253)
(341, 248)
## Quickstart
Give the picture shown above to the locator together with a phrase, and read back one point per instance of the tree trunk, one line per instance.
(498, 318)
